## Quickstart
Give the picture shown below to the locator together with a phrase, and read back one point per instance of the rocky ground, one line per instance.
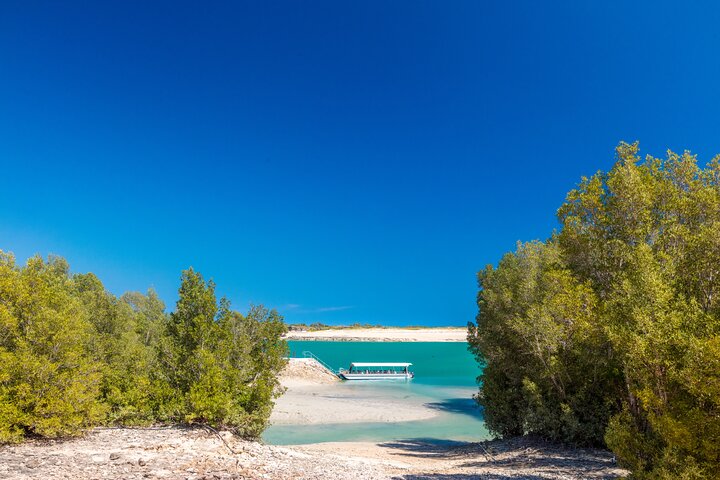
(170, 453)
(181, 453)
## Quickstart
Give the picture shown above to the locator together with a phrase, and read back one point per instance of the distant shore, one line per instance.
(389, 334)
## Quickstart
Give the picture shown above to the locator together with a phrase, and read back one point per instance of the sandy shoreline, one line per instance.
(520, 458)
(440, 334)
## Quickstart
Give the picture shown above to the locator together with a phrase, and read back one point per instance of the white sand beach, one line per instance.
(323, 404)
(440, 334)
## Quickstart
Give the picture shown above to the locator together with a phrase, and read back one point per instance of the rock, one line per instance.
(33, 463)
(114, 456)
(142, 462)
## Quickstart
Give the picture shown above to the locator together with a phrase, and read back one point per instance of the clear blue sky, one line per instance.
(340, 161)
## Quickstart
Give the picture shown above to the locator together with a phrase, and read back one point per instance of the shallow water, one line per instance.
(445, 374)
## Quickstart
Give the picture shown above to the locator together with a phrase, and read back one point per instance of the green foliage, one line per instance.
(49, 384)
(134, 375)
(117, 347)
(221, 365)
(610, 330)
(72, 355)
(536, 336)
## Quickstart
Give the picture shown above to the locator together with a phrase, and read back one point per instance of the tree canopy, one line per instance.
(72, 355)
(609, 331)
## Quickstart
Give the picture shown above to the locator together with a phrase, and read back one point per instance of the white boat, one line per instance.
(377, 371)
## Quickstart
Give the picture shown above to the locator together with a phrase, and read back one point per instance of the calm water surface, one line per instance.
(445, 374)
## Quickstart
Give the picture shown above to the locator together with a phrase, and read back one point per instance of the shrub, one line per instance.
(221, 366)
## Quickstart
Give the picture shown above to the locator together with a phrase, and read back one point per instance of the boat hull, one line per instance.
(376, 376)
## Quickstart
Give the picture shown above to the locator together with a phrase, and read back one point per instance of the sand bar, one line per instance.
(335, 404)
(313, 396)
(441, 334)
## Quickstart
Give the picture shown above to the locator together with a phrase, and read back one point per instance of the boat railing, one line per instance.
(308, 354)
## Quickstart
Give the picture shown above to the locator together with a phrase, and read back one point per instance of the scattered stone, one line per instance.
(182, 453)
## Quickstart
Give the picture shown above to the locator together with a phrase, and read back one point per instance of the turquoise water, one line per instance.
(445, 374)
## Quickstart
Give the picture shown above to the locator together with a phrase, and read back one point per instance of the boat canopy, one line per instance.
(358, 364)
